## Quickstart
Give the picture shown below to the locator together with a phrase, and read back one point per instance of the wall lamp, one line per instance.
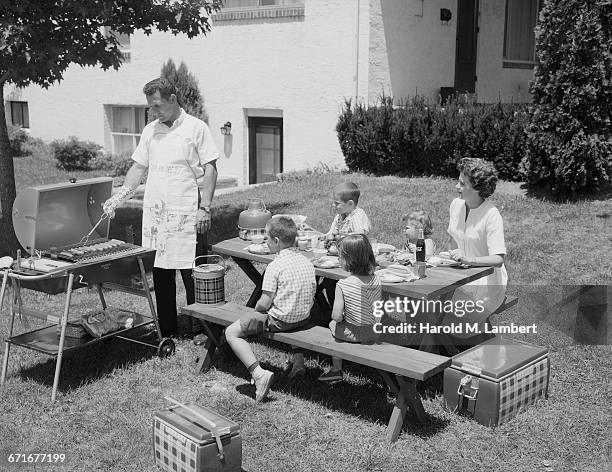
(226, 129)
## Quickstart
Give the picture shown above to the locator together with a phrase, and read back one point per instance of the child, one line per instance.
(352, 315)
(350, 219)
(288, 291)
(414, 221)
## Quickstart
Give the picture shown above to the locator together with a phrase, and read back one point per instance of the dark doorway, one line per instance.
(265, 149)
(467, 40)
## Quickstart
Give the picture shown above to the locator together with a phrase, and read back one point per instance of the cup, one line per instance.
(419, 269)
(302, 244)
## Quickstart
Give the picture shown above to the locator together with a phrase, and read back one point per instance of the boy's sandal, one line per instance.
(331, 376)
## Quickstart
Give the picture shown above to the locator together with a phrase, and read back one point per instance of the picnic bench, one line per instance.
(399, 366)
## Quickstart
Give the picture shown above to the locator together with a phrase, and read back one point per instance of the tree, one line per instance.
(188, 90)
(40, 39)
(570, 134)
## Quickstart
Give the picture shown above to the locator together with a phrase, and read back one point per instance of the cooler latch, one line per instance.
(468, 393)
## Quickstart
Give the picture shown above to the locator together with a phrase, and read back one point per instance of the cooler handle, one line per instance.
(193, 264)
(216, 431)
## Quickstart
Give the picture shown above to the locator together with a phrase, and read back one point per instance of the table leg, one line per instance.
(210, 346)
(7, 346)
(256, 277)
(406, 396)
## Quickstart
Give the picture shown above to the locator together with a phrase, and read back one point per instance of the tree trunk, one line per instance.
(8, 240)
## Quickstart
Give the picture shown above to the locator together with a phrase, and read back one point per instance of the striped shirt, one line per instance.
(359, 298)
(291, 279)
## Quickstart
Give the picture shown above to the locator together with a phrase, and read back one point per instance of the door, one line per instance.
(467, 39)
(265, 149)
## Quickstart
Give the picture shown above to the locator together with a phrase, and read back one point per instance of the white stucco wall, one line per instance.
(297, 68)
(494, 82)
(411, 50)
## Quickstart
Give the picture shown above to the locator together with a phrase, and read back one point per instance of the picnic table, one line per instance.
(400, 367)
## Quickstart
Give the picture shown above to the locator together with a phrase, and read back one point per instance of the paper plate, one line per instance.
(261, 249)
(441, 262)
(326, 262)
(382, 247)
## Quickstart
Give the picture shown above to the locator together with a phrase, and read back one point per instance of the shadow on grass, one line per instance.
(92, 362)
(364, 395)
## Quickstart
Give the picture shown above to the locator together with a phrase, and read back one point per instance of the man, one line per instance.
(178, 150)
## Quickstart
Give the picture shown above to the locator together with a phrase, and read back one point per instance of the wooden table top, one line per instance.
(438, 280)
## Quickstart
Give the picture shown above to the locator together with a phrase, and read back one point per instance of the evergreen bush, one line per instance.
(417, 138)
(188, 90)
(74, 154)
(569, 132)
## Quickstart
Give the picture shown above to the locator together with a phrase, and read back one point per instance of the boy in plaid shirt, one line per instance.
(288, 290)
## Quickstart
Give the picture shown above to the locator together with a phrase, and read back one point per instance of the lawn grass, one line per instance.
(109, 393)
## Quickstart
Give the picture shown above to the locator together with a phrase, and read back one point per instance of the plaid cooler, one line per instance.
(183, 440)
(496, 380)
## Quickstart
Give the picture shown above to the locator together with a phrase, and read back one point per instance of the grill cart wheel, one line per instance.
(166, 348)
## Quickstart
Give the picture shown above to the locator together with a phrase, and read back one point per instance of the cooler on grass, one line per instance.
(494, 381)
(194, 438)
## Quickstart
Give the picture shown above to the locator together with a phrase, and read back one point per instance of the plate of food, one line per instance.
(396, 274)
(326, 262)
(258, 249)
(438, 261)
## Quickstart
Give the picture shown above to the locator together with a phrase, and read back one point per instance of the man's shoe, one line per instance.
(262, 385)
(331, 376)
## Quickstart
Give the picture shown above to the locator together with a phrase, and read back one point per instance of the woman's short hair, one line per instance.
(422, 220)
(355, 253)
(482, 175)
(161, 85)
(284, 229)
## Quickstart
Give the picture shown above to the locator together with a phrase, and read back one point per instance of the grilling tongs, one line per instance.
(85, 238)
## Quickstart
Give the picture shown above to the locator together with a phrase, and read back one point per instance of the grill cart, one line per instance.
(50, 222)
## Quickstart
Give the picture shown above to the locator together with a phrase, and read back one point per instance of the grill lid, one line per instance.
(60, 214)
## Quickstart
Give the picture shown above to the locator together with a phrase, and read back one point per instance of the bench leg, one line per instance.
(406, 395)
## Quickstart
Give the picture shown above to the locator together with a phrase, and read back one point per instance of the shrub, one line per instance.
(115, 165)
(569, 133)
(17, 139)
(417, 138)
(73, 154)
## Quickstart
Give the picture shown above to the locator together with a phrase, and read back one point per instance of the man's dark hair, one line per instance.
(161, 85)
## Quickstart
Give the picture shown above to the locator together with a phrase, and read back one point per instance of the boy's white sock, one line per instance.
(257, 372)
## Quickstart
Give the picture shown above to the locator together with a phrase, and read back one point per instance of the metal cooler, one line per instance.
(50, 222)
(496, 380)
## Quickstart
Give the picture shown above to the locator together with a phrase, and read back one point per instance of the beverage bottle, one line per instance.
(420, 247)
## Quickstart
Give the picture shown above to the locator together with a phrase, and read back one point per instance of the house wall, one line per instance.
(411, 50)
(298, 68)
(494, 82)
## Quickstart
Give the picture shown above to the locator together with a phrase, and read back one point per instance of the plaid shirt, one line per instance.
(291, 279)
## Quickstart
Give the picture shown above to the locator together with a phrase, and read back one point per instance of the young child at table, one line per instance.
(288, 291)
(350, 218)
(413, 222)
(352, 314)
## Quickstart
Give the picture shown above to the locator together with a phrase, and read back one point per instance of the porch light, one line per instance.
(226, 129)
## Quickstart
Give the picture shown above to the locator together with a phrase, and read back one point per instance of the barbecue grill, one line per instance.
(50, 223)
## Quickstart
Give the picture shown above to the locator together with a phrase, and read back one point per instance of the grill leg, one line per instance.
(145, 286)
(7, 346)
(101, 295)
(60, 348)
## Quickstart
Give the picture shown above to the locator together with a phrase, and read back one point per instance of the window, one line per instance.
(20, 116)
(519, 36)
(124, 42)
(126, 125)
(257, 9)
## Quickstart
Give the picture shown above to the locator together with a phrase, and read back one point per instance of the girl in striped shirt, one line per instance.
(352, 314)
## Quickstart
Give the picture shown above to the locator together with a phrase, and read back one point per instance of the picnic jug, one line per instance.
(253, 220)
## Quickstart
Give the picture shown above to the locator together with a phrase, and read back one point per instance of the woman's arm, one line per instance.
(338, 309)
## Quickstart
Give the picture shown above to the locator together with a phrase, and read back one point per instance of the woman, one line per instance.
(477, 233)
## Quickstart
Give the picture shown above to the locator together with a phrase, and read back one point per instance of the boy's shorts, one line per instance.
(258, 323)
(350, 333)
